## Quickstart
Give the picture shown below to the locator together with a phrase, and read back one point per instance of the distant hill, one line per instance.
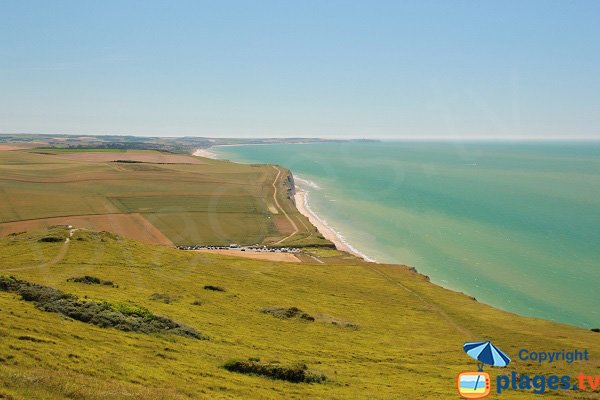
(185, 144)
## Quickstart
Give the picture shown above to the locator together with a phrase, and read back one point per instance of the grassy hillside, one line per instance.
(155, 197)
(379, 331)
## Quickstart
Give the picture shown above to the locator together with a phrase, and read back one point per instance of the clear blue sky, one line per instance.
(301, 68)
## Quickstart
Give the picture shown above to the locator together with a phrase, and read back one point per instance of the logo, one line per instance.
(473, 385)
(476, 384)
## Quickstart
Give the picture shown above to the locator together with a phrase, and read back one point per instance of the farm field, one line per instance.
(132, 225)
(151, 196)
(379, 331)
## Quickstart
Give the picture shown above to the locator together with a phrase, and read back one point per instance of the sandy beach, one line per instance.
(206, 153)
(301, 204)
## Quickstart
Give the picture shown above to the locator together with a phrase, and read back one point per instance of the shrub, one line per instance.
(90, 280)
(287, 313)
(197, 303)
(165, 298)
(296, 373)
(51, 239)
(104, 314)
(214, 288)
(595, 329)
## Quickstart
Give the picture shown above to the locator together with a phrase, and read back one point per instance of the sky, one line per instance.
(362, 69)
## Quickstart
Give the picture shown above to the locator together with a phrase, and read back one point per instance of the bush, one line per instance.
(214, 288)
(162, 297)
(51, 239)
(90, 280)
(104, 314)
(197, 303)
(595, 329)
(287, 313)
(296, 373)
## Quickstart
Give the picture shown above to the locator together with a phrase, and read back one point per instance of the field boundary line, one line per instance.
(274, 184)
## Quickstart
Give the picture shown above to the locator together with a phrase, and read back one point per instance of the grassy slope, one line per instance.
(190, 204)
(408, 345)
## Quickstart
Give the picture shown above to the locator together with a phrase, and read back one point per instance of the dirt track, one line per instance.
(285, 257)
(132, 226)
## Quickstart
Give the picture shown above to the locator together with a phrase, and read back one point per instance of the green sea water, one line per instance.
(517, 225)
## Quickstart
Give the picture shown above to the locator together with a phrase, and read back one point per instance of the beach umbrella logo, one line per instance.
(477, 384)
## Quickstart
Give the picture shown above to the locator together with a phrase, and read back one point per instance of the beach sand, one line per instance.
(206, 153)
(301, 204)
(326, 231)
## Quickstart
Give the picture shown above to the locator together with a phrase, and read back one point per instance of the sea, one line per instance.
(514, 224)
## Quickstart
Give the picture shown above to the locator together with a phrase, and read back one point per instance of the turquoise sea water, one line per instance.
(516, 225)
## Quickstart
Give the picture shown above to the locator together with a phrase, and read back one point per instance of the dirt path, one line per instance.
(58, 258)
(280, 257)
(315, 258)
(274, 184)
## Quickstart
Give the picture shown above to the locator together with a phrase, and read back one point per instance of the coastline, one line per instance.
(301, 198)
(206, 153)
(303, 207)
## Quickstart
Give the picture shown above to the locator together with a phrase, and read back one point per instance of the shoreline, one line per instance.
(206, 153)
(301, 198)
(301, 201)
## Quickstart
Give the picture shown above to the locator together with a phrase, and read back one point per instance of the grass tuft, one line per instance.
(162, 297)
(287, 313)
(298, 373)
(90, 280)
(214, 288)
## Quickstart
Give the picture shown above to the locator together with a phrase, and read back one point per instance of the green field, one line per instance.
(211, 229)
(396, 336)
(213, 203)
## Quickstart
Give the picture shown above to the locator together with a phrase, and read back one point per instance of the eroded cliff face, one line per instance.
(291, 187)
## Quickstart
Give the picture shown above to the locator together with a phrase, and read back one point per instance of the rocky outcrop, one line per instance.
(291, 187)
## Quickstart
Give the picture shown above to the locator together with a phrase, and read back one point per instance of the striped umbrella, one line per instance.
(486, 353)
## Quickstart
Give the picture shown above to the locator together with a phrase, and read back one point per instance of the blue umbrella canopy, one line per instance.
(486, 353)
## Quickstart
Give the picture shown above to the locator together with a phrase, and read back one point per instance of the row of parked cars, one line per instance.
(257, 248)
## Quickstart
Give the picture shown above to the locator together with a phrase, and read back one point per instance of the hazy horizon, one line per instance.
(340, 137)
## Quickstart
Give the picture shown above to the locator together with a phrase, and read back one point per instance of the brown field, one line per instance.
(6, 147)
(281, 257)
(150, 157)
(133, 226)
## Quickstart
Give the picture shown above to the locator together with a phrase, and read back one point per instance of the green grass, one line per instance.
(200, 203)
(409, 344)
(211, 229)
